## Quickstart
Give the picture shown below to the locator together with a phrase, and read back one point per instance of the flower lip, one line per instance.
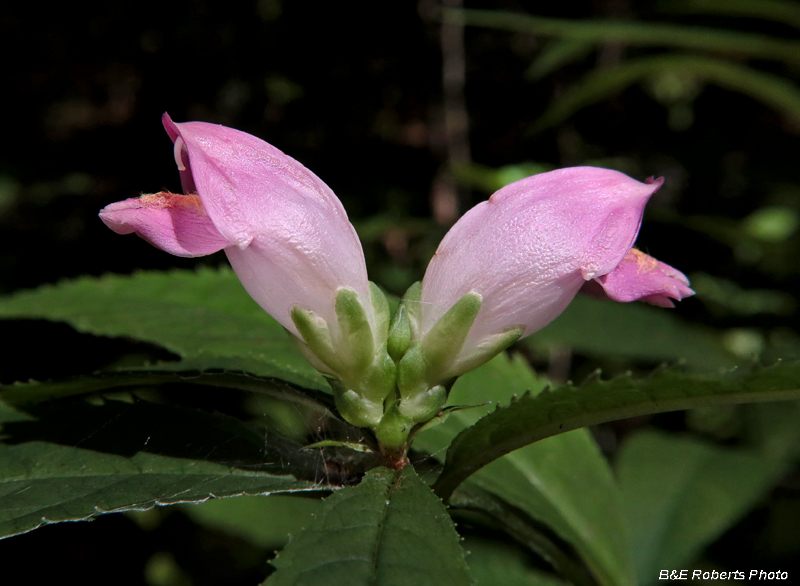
(172, 222)
(640, 277)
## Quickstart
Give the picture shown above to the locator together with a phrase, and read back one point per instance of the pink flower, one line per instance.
(505, 270)
(530, 248)
(284, 231)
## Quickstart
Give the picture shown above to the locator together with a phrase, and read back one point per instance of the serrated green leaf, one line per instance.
(532, 418)
(680, 493)
(632, 331)
(389, 530)
(578, 501)
(637, 33)
(205, 317)
(72, 460)
(773, 91)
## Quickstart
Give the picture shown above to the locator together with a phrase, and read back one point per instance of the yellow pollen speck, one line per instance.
(165, 199)
(645, 263)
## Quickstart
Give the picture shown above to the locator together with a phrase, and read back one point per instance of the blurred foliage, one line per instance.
(784, 11)
(680, 493)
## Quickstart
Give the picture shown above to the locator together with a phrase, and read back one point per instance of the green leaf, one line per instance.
(773, 91)
(205, 317)
(494, 564)
(536, 480)
(33, 392)
(638, 33)
(562, 409)
(267, 522)
(484, 510)
(680, 493)
(632, 331)
(73, 460)
(565, 483)
(573, 560)
(390, 529)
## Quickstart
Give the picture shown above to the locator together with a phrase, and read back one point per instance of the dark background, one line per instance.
(354, 91)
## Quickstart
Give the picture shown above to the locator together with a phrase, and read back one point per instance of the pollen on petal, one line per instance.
(165, 200)
(644, 262)
(641, 277)
(172, 222)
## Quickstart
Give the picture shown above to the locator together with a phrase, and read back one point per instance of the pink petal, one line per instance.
(291, 242)
(641, 277)
(175, 223)
(530, 248)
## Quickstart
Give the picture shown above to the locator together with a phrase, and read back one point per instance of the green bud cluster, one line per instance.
(388, 376)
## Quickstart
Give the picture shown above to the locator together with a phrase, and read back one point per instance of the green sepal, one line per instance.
(412, 372)
(413, 304)
(393, 430)
(315, 333)
(424, 406)
(380, 307)
(309, 354)
(399, 334)
(442, 344)
(357, 340)
(429, 361)
(488, 350)
(380, 378)
(354, 408)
